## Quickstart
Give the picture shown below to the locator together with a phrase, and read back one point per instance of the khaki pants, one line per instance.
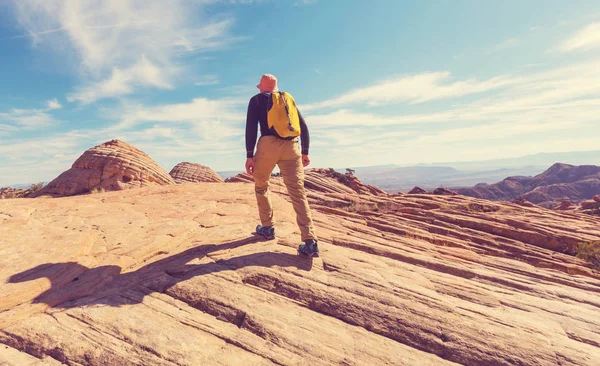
(272, 150)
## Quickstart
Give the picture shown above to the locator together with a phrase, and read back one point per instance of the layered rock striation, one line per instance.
(111, 166)
(174, 276)
(191, 172)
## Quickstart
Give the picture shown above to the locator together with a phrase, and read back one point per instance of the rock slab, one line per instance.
(173, 276)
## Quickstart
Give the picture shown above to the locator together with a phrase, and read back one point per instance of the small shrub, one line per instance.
(350, 171)
(97, 190)
(590, 252)
(342, 178)
(36, 187)
(388, 206)
(362, 207)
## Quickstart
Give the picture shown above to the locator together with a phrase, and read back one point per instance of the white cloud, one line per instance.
(197, 111)
(504, 45)
(40, 159)
(586, 39)
(53, 104)
(545, 111)
(414, 89)
(490, 132)
(346, 117)
(547, 94)
(26, 119)
(531, 65)
(305, 2)
(240, 89)
(122, 82)
(207, 80)
(110, 39)
(7, 129)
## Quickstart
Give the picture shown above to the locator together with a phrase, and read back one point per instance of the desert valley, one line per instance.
(117, 262)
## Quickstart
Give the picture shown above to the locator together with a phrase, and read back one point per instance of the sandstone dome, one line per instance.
(191, 172)
(111, 166)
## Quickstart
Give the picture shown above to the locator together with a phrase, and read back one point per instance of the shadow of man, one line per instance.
(71, 281)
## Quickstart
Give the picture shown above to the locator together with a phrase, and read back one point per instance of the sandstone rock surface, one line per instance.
(111, 166)
(321, 180)
(172, 276)
(191, 172)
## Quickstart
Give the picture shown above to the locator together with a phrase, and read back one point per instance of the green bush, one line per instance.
(590, 252)
(36, 187)
(362, 207)
(342, 178)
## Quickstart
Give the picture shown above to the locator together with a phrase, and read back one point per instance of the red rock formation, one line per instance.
(240, 178)
(111, 166)
(523, 202)
(330, 181)
(418, 190)
(444, 192)
(327, 181)
(190, 172)
(546, 189)
(322, 180)
(590, 205)
(362, 188)
(565, 205)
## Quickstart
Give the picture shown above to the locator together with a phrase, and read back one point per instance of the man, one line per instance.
(280, 126)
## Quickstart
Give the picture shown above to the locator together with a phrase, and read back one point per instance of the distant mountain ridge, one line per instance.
(561, 181)
(405, 178)
(394, 178)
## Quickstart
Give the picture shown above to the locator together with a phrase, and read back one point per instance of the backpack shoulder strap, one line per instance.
(287, 111)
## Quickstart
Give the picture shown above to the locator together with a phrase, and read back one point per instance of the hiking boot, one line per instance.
(268, 232)
(309, 248)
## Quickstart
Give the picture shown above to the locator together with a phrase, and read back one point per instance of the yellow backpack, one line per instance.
(283, 116)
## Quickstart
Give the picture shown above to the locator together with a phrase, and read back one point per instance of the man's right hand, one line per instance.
(250, 166)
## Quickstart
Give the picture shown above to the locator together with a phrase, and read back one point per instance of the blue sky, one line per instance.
(379, 82)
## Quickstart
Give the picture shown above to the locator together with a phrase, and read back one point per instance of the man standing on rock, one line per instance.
(281, 124)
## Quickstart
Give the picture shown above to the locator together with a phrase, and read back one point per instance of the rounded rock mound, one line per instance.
(191, 172)
(565, 205)
(240, 178)
(444, 192)
(418, 190)
(111, 166)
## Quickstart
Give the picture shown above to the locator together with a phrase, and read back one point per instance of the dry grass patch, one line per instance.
(590, 252)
